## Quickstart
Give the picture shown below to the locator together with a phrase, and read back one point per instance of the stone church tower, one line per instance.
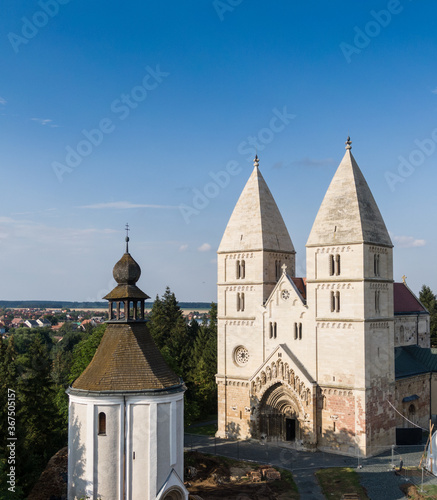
(125, 431)
(350, 292)
(309, 361)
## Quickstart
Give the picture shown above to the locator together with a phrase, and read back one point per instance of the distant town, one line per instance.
(64, 317)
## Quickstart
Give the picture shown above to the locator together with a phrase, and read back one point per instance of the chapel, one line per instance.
(125, 418)
(336, 360)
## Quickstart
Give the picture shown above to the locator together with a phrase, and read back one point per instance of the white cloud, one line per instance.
(2, 101)
(182, 248)
(407, 241)
(206, 247)
(123, 205)
(45, 121)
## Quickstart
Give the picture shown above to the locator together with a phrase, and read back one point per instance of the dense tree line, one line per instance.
(39, 370)
(429, 300)
(190, 350)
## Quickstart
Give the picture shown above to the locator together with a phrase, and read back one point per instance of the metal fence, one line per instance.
(404, 460)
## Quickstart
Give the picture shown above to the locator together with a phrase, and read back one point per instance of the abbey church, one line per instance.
(336, 360)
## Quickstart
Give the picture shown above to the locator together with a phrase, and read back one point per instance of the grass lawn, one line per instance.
(413, 492)
(339, 480)
(203, 430)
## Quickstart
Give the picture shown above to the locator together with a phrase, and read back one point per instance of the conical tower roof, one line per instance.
(348, 213)
(256, 223)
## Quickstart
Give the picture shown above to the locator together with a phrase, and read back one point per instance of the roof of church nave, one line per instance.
(348, 213)
(256, 223)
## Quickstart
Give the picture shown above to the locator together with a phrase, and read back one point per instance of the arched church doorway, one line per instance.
(279, 414)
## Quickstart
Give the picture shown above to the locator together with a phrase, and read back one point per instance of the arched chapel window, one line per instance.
(102, 424)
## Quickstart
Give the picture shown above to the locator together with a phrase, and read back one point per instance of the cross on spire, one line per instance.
(284, 268)
(127, 238)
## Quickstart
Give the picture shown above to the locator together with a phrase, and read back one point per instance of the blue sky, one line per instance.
(113, 113)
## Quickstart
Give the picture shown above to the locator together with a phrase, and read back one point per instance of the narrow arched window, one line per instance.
(377, 301)
(300, 331)
(337, 265)
(331, 265)
(243, 269)
(337, 299)
(376, 264)
(296, 334)
(102, 424)
(275, 330)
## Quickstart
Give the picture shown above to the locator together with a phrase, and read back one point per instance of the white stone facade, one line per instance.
(146, 464)
(308, 362)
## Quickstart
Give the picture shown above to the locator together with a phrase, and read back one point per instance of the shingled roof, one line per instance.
(127, 359)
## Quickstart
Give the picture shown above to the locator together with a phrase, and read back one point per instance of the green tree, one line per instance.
(201, 377)
(42, 434)
(84, 351)
(429, 300)
(169, 330)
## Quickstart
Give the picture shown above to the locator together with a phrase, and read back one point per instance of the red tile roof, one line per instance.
(405, 301)
(300, 284)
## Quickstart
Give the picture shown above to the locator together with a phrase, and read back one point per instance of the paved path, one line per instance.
(376, 474)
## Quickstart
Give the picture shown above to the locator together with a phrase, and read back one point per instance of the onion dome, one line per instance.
(126, 271)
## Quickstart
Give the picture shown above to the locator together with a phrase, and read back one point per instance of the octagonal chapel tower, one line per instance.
(350, 292)
(254, 247)
(125, 430)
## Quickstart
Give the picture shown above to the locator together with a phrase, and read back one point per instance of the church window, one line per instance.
(240, 301)
(241, 355)
(300, 331)
(241, 269)
(296, 331)
(331, 265)
(277, 269)
(334, 426)
(102, 424)
(335, 301)
(334, 265)
(377, 305)
(273, 330)
(376, 264)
